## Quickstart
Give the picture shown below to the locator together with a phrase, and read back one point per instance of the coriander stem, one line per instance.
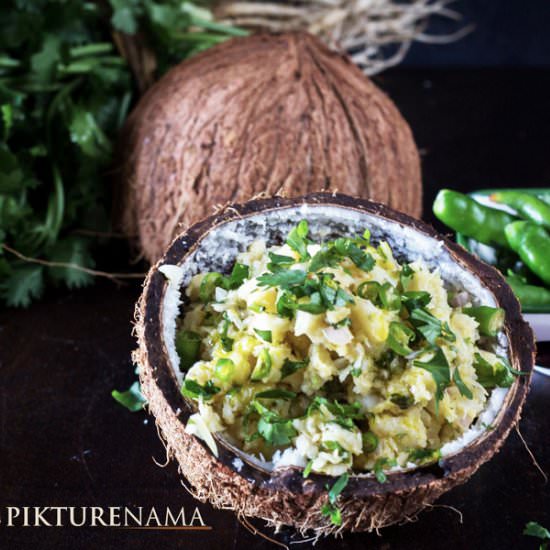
(66, 265)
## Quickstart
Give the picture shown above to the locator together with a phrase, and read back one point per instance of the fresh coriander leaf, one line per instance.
(187, 346)
(285, 279)
(333, 513)
(424, 455)
(290, 367)
(399, 337)
(278, 261)
(194, 390)
(263, 366)
(379, 468)
(431, 327)
(286, 305)
(327, 256)
(336, 490)
(416, 299)
(276, 433)
(226, 341)
(534, 529)
(297, 240)
(264, 334)
(132, 398)
(462, 387)
(438, 367)
(315, 306)
(276, 394)
(344, 413)
(238, 274)
(347, 248)
(332, 446)
(22, 284)
(406, 276)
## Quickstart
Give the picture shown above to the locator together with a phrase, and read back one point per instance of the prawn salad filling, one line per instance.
(335, 357)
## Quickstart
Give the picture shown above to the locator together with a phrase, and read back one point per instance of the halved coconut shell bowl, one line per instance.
(235, 480)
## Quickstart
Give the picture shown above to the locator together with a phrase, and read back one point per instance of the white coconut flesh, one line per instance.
(218, 248)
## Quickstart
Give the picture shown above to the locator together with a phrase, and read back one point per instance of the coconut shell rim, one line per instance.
(521, 350)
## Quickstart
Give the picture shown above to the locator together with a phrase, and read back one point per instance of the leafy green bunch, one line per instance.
(65, 91)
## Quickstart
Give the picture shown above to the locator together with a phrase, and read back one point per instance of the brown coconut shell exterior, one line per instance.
(273, 114)
(284, 496)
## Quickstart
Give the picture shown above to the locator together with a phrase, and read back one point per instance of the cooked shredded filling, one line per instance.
(333, 357)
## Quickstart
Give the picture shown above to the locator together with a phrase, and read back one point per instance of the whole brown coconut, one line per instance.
(232, 479)
(274, 114)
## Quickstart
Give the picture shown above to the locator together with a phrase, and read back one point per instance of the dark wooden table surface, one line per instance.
(65, 442)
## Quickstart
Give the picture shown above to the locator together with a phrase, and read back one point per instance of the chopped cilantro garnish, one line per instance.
(332, 446)
(263, 334)
(194, 390)
(424, 455)
(379, 468)
(278, 261)
(330, 509)
(462, 387)
(344, 413)
(348, 248)
(227, 343)
(416, 299)
(290, 367)
(297, 240)
(274, 429)
(214, 279)
(276, 394)
(284, 278)
(438, 367)
(430, 327)
(406, 276)
(132, 398)
(534, 529)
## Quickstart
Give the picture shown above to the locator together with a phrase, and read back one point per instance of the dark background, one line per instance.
(480, 113)
(508, 33)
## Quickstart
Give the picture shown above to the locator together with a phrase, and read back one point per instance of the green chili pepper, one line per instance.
(532, 243)
(399, 336)
(490, 319)
(540, 192)
(263, 366)
(533, 298)
(466, 216)
(188, 346)
(209, 284)
(527, 206)
(370, 442)
(225, 368)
